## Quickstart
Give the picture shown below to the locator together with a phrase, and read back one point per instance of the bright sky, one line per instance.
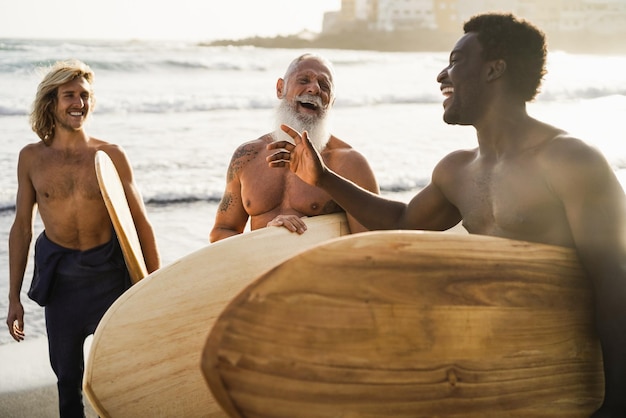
(160, 19)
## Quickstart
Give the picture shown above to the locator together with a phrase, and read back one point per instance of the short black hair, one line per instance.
(519, 43)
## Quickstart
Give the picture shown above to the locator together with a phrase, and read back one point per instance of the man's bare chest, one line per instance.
(510, 205)
(281, 189)
(59, 179)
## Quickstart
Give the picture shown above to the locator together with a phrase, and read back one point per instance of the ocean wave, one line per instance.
(27, 56)
(580, 93)
(184, 104)
(6, 208)
(391, 185)
(170, 198)
(177, 200)
(137, 76)
(199, 103)
(125, 65)
(12, 111)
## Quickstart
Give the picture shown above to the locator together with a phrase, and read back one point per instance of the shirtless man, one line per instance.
(277, 197)
(78, 249)
(526, 180)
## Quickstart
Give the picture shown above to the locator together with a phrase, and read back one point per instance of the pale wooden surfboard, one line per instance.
(410, 324)
(145, 355)
(117, 206)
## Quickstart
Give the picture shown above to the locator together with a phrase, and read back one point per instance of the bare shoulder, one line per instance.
(568, 146)
(108, 147)
(566, 152)
(102, 145)
(338, 148)
(456, 160)
(116, 153)
(573, 167)
(336, 143)
(251, 149)
(31, 155)
(340, 156)
(452, 167)
(246, 154)
(350, 163)
(32, 149)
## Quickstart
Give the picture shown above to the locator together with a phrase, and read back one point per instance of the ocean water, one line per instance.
(179, 110)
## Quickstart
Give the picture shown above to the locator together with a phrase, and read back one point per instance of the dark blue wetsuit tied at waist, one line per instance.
(84, 284)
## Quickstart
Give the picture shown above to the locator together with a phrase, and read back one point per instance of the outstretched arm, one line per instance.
(371, 210)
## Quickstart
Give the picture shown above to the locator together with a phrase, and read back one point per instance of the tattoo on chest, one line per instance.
(241, 157)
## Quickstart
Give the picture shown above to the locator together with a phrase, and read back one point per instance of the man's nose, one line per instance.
(442, 75)
(313, 87)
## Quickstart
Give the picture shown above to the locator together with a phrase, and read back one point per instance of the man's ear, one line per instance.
(280, 85)
(496, 69)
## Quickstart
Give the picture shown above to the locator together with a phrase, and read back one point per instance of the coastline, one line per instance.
(419, 40)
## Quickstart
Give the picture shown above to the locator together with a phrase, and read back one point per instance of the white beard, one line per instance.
(316, 127)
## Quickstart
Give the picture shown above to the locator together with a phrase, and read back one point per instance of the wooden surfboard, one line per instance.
(145, 355)
(117, 206)
(410, 324)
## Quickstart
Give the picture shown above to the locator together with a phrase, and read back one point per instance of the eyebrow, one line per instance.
(73, 90)
(310, 73)
(457, 50)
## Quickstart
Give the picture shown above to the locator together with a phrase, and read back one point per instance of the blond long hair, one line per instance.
(42, 115)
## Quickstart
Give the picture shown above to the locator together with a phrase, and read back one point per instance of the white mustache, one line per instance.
(309, 98)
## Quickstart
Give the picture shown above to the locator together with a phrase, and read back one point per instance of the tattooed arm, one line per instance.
(231, 216)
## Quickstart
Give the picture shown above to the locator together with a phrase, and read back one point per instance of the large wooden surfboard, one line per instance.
(117, 206)
(145, 355)
(410, 324)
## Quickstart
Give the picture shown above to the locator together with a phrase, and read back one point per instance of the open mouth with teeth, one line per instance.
(77, 113)
(448, 92)
(309, 105)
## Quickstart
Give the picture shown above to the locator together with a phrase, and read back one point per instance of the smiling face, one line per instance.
(462, 82)
(308, 88)
(73, 104)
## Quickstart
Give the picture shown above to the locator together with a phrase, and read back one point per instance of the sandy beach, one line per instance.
(38, 402)
(28, 388)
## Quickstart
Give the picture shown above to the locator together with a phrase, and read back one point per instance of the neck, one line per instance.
(503, 129)
(69, 139)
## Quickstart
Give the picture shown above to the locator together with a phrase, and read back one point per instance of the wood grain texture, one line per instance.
(119, 212)
(411, 324)
(145, 356)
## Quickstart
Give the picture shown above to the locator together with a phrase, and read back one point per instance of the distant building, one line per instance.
(353, 14)
(332, 23)
(447, 15)
(553, 16)
(596, 16)
(393, 15)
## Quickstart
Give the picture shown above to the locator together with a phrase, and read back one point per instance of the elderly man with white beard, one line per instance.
(271, 197)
